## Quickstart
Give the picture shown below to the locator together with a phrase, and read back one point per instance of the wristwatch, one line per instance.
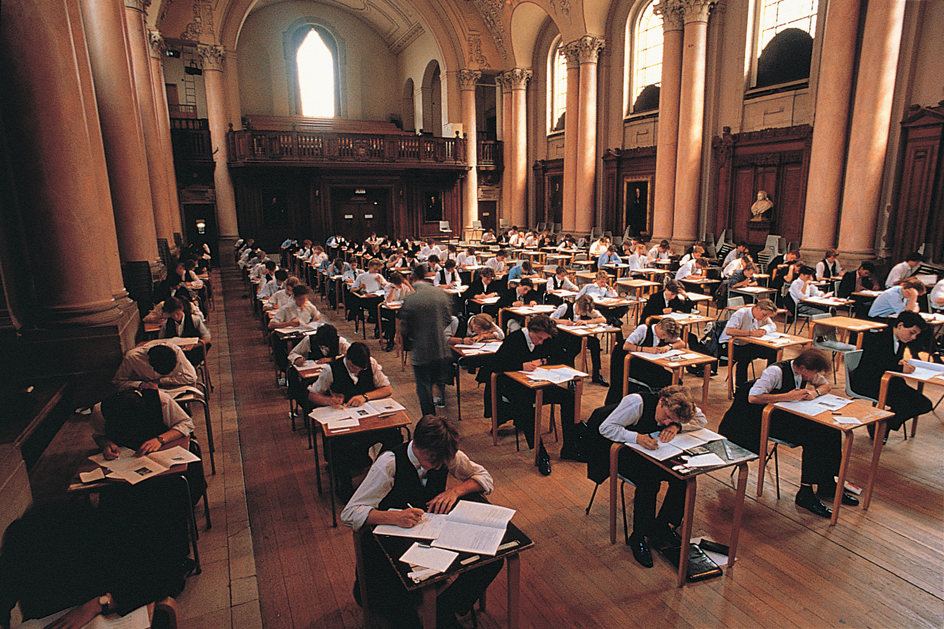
(106, 602)
(160, 438)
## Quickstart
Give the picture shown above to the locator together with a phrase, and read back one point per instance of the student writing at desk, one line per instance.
(353, 381)
(803, 288)
(655, 338)
(799, 379)
(582, 312)
(180, 324)
(155, 364)
(862, 278)
(754, 321)
(903, 270)
(481, 329)
(299, 312)
(558, 281)
(667, 412)
(898, 299)
(884, 350)
(400, 487)
(829, 267)
(670, 299)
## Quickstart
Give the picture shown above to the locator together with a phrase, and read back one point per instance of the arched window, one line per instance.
(316, 77)
(557, 97)
(646, 61)
(313, 61)
(785, 33)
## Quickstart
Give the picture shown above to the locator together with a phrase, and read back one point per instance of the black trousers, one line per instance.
(905, 402)
(745, 354)
(822, 446)
(521, 406)
(347, 452)
(648, 478)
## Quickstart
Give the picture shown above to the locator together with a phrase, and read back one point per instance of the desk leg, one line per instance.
(494, 384)
(730, 368)
(764, 434)
(704, 387)
(677, 375)
(880, 431)
(458, 390)
(738, 512)
(578, 395)
(314, 446)
(428, 608)
(840, 481)
(538, 420)
(614, 458)
(329, 460)
(583, 354)
(513, 565)
(691, 486)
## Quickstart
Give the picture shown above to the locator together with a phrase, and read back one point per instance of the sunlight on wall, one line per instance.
(316, 77)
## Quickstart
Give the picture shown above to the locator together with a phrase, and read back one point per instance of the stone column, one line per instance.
(214, 58)
(56, 167)
(663, 214)
(122, 135)
(507, 143)
(470, 192)
(691, 121)
(571, 122)
(827, 154)
(162, 114)
(519, 78)
(585, 214)
(139, 47)
(868, 135)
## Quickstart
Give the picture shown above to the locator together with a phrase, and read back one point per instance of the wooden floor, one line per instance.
(880, 568)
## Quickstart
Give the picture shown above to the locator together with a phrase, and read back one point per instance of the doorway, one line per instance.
(356, 213)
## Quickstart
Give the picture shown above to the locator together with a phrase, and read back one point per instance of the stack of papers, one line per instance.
(682, 442)
(529, 310)
(138, 619)
(668, 354)
(822, 404)
(487, 300)
(557, 376)
(135, 469)
(345, 417)
(926, 370)
(471, 527)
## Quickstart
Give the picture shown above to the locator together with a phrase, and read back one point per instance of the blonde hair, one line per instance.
(677, 401)
(482, 322)
(671, 327)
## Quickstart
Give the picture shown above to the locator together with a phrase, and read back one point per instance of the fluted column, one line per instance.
(519, 78)
(589, 53)
(571, 123)
(691, 120)
(162, 113)
(214, 58)
(663, 215)
(827, 154)
(122, 135)
(507, 143)
(868, 135)
(139, 47)
(470, 192)
(56, 167)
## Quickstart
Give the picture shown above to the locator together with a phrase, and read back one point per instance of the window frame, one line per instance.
(756, 50)
(293, 38)
(633, 25)
(555, 60)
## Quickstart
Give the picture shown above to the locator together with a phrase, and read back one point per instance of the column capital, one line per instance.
(571, 52)
(517, 78)
(672, 14)
(213, 56)
(697, 10)
(588, 48)
(158, 47)
(468, 78)
(138, 5)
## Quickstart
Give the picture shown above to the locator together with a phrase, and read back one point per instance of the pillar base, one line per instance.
(226, 245)
(679, 245)
(849, 260)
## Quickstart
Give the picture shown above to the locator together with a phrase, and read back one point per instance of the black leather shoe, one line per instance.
(641, 552)
(544, 463)
(808, 500)
(848, 499)
(598, 379)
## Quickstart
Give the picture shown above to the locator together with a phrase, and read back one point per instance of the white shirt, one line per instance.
(466, 259)
(821, 270)
(637, 262)
(937, 295)
(772, 378)
(178, 327)
(629, 412)
(797, 291)
(597, 249)
(655, 254)
(744, 319)
(637, 336)
(370, 282)
(173, 416)
(379, 482)
(450, 278)
(562, 310)
(305, 315)
(900, 271)
(596, 292)
(304, 346)
(136, 370)
(734, 254)
(564, 284)
(326, 379)
(496, 265)
(685, 270)
(280, 299)
(734, 265)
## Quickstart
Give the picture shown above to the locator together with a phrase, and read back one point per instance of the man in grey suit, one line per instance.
(423, 319)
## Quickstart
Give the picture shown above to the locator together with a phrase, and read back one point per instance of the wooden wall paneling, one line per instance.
(743, 197)
(792, 198)
(627, 167)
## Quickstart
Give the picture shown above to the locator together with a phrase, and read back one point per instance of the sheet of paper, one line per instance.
(470, 538)
(138, 619)
(690, 356)
(852, 421)
(427, 557)
(141, 469)
(470, 346)
(492, 347)
(686, 440)
(342, 423)
(385, 406)
(325, 414)
(663, 452)
(925, 370)
(488, 300)
(482, 513)
(429, 528)
(705, 435)
(173, 456)
(705, 460)
(90, 477)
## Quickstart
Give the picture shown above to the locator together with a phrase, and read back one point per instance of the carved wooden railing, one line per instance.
(254, 146)
(190, 138)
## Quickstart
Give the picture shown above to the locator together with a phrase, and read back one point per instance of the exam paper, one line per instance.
(426, 557)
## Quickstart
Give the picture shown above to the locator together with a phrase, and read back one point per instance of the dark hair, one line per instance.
(437, 438)
(673, 286)
(807, 270)
(814, 360)
(419, 273)
(664, 244)
(488, 272)
(560, 269)
(450, 263)
(526, 266)
(501, 252)
(526, 281)
(281, 275)
(542, 323)
(868, 266)
(359, 354)
(396, 278)
(270, 265)
(914, 256)
(172, 304)
(911, 319)
(162, 359)
(301, 289)
(327, 336)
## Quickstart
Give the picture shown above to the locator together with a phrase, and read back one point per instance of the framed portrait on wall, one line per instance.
(637, 204)
(274, 207)
(432, 206)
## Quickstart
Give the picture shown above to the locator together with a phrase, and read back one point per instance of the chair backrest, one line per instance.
(476, 224)
(735, 302)
(773, 244)
(557, 228)
(851, 361)
(503, 223)
(444, 226)
(823, 330)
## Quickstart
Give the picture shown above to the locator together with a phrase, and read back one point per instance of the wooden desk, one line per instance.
(394, 547)
(524, 311)
(740, 458)
(847, 325)
(754, 292)
(637, 285)
(463, 355)
(370, 424)
(538, 387)
(583, 332)
(559, 259)
(861, 410)
(780, 343)
(618, 269)
(883, 395)
(828, 302)
(674, 367)
(684, 320)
